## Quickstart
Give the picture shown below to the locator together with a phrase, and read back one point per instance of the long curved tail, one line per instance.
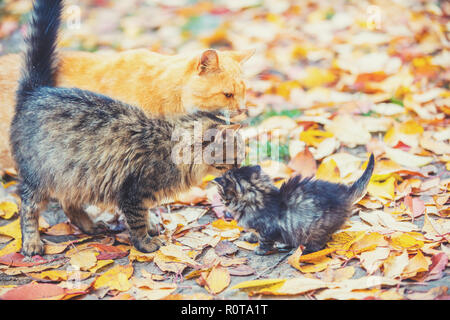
(40, 59)
(358, 189)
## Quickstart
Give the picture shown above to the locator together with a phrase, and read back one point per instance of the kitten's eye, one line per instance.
(228, 95)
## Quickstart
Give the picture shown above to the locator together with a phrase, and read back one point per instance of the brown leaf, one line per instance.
(304, 163)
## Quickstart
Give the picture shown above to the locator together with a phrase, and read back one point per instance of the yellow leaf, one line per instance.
(405, 241)
(58, 275)
(116, 278)
(13, 246)
(295, 286)
(284, 89)
(316, 77)
(8, 209)
(329, 171)
(317, 256)
(12, 230)
(170, 264)
(384, 189)
(367, 242)
(314, 137)
(177, 252)
(342, 241)
(419, 263)
(258, 284)
(319, 265)
(140, 256)
(84, 260)
(294, 260)
(100, 264)
(217, 280)
(410, 127)
(226, 225)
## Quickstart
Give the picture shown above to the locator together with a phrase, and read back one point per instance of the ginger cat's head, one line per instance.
(214, 81)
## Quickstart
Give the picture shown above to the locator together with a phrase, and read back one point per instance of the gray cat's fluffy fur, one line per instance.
(84, 148)
(302, 212)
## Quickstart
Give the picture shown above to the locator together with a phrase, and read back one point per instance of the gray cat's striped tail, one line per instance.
(358, 189)
(40, 54)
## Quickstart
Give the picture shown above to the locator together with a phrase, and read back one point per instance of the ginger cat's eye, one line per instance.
(229, 95)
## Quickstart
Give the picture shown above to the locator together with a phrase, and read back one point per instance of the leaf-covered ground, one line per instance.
(330, 83)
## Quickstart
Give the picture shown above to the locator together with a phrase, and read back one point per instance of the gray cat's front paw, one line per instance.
(265, 250)
(282, 247)
(250, 237)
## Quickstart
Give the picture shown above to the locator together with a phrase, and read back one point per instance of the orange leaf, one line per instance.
(304, 163)
(115, 278)
(217, 280)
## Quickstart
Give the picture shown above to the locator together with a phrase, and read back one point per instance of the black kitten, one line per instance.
(302, 212)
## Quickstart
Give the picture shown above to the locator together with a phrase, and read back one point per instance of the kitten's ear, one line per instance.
(243, 55)
(257, 168)
(209, 62)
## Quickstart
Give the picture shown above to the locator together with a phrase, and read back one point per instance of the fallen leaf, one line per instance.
(18, 260)
(241, 270)
(60, 229)
(418, 263)
(394, 265)
(382, 189)
(348, 131)
(84, 260)
(437, 267)
(415, 205)
(304, 164)
(34, 291)
(8, 209)
(405, 241)
(107, 252)
(328, 171)
(407, 159)
(259, 284)
(217, 280)
(116, 278)
(372, 260)
(295, 286)
(225, 248)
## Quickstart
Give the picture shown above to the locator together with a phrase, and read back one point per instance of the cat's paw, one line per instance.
(32, 247)
(250, 237)
(148, 244)
(264, 251)
(282, 247)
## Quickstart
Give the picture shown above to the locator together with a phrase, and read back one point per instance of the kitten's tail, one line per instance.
(40, 59)
(358, 189)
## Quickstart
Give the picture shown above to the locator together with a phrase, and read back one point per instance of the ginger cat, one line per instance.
(159, 84)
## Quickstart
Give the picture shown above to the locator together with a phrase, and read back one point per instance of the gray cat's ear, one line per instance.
(257, 168)
(209, 62)
(218, 180)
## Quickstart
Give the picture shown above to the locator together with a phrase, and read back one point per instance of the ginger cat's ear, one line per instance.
(209, 62)
(243, 55)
